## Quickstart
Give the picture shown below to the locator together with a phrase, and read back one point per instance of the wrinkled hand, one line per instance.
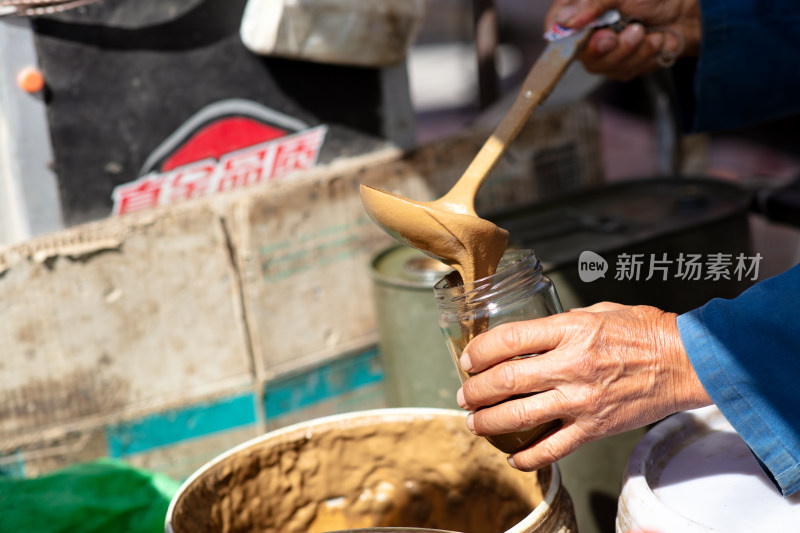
(601, 370)
(635, 50)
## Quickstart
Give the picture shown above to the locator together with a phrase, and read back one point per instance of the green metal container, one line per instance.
(419, 371)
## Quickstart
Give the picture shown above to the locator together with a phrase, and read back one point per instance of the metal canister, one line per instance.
(418, 369)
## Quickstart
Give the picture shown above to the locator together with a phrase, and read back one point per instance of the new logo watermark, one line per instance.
(591, 266)
(685, 267)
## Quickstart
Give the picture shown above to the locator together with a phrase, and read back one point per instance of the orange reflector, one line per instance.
(30, 80)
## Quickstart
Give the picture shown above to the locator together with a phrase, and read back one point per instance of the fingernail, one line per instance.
(471, 422)
(565, 14)
(460, 398)
(464, 361)
(633, 35)
(606, 45)
(510, 460)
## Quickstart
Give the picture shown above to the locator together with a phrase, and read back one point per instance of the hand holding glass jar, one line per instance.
(517, 291)
(600, 371)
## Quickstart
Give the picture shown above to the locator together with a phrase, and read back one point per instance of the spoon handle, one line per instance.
(542, 78)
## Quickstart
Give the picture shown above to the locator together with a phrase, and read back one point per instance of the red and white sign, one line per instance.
(220, 157)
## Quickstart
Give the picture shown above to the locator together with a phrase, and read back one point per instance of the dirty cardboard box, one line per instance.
(166, 337)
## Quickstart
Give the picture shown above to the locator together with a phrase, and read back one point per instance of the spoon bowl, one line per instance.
(443, 230)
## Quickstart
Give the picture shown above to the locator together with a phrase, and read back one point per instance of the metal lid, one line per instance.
(622, 214)
(407, 267)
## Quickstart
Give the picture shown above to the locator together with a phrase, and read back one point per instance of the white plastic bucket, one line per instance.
(409, 467)
(692, 473)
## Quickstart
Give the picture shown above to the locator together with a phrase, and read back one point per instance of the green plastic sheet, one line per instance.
(103, 495)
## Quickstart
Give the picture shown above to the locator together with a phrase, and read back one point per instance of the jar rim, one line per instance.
(512, 261)
(518, 272)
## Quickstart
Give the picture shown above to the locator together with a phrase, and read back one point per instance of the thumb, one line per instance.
(578, 13)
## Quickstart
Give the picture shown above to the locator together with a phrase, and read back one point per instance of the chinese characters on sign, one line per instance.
(236, 170)
(688, 267)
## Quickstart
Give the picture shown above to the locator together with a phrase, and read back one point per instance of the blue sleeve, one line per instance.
(746, 352)
(748, 67)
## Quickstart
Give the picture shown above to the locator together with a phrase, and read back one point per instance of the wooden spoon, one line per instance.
(448, 229)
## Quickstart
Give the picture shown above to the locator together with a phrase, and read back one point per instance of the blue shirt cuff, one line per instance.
(747, 355)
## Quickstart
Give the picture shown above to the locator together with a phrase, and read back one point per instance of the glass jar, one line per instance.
(519, 290)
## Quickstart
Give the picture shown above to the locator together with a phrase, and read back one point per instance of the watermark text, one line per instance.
(662, 267)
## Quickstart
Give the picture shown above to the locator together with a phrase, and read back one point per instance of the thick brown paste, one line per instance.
(428, 472)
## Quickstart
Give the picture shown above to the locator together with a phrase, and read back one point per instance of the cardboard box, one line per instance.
(119, 317)
(152, 336)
